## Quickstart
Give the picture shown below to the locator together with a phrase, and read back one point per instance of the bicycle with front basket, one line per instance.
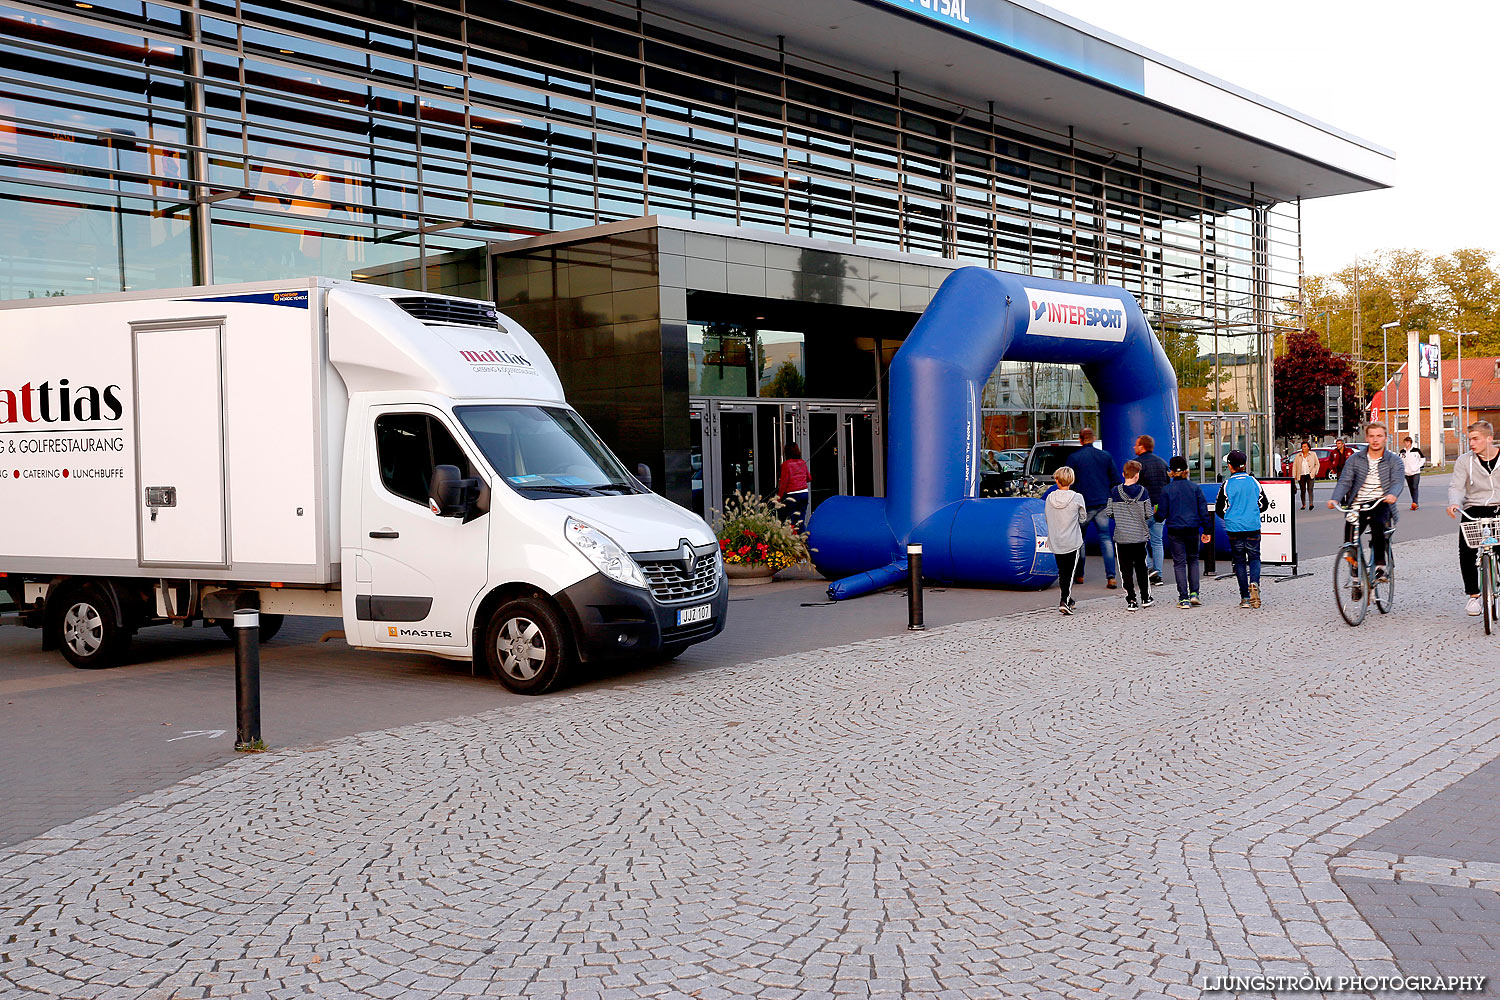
(1483, 536)
(1354, 581)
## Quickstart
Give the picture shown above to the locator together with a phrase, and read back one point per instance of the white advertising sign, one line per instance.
(1278, 540)
(1075, 317)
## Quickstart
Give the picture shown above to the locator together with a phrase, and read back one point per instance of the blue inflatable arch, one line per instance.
(977, 319)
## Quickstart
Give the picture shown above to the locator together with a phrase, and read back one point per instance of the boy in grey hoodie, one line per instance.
(1131, 509)
(1065, 516)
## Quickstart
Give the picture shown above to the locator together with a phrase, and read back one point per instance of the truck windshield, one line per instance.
(544, 451)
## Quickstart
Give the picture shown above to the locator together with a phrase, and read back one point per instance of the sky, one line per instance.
(1422, 86)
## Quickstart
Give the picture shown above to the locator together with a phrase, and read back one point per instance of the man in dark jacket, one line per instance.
(1096, 474)
(1154, 478)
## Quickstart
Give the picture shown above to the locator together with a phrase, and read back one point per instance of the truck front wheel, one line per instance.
(87, 632)
(526, 646)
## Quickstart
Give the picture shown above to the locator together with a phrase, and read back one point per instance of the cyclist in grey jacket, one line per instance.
(1475, 488)
(1362, 484)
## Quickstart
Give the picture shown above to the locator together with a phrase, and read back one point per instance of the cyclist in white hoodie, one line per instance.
(1475, 487)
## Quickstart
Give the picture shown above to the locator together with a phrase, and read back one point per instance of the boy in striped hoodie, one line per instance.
(1131, 509)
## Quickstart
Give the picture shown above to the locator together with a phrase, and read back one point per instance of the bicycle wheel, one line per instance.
(1487, 589)
(1349, 590)
(1384, 592)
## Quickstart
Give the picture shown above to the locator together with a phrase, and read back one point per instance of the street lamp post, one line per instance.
(1462, 429)
(1385, 355)
(1396, 384)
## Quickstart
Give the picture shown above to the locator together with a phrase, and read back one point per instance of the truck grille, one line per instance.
(448, 312)
(671, 583)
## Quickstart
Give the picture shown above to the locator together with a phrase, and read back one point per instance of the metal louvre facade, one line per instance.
(154, 145)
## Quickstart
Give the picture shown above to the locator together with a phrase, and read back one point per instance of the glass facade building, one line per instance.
(164, 144)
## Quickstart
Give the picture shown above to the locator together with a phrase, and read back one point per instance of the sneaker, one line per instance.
(1065, 609)
(1148, 601)
(1255, 595)
(1154, 579)
(1110, 584)
(1184, 604)
(1413, 506)
(1077, 579)
(1245, 603)
(1072, 603)
(1474, 608)
(1132, 606)
(1194, 600)
(1380, 574)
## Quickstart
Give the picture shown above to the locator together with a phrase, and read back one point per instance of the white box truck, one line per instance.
(404, 461)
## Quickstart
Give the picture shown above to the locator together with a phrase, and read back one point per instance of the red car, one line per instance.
(1325, 464)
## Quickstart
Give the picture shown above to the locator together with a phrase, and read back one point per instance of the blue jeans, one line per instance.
(1185, 562)
(1244, 548)
(1158, 546)
(1106, 542)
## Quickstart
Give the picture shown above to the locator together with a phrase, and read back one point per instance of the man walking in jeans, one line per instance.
(1155, 478)
(1240, 503)
(1096, 476)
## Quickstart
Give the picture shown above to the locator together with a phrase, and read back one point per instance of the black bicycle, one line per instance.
(1482, 535)
(1355, 583)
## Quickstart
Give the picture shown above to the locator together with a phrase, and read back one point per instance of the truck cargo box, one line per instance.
(179, 436)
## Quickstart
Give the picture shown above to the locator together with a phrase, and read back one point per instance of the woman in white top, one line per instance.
(1413, 460)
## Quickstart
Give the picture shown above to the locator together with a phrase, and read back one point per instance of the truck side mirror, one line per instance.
(449, 494)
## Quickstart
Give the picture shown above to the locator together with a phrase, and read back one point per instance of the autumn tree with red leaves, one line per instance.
(1300, 376)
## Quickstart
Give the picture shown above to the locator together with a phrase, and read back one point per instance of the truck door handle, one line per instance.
(386, 533)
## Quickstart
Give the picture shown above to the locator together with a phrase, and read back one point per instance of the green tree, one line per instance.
(787, 383)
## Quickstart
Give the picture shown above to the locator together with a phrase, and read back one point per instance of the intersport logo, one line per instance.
(60, 403)
(1075, 315)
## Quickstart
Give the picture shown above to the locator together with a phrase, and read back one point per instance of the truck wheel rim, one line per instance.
(522, 648)
(83, 629)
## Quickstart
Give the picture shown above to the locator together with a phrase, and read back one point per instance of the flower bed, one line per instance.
(751, 533)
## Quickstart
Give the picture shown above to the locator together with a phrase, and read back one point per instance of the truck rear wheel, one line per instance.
(87, 632)
(526, 646)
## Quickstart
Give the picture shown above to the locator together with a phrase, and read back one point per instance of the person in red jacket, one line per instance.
(794, 486)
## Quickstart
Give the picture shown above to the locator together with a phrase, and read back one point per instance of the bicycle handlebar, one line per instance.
(1360, 508)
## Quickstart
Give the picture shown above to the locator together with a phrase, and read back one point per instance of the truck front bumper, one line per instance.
(615, 622)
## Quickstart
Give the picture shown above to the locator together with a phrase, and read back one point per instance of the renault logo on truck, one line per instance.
(59, 404)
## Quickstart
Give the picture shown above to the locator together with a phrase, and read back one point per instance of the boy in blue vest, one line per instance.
(1240, 503)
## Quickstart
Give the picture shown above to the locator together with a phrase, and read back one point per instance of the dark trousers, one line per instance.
(1183, 543)
(1133, 568)
(1412, 482)
(1066, 562)
(1244, 549)
(796, 508)
(1306, 482)
(1466, 564)
(1379, 523)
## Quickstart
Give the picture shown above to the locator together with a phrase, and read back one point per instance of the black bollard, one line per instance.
(914, 589)
(247, 680)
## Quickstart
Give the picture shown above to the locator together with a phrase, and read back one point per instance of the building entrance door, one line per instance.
(738, 444)
(1208, 438)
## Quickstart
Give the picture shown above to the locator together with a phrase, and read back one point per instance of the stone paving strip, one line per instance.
(1415, 868)
(1114, 805)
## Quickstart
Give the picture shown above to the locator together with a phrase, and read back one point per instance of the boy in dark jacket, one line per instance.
(1184, 511)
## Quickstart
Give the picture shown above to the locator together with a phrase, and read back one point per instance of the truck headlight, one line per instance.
(606, 555)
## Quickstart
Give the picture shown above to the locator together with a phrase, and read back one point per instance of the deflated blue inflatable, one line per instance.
(977, 319)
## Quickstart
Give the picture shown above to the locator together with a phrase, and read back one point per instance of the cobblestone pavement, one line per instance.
(1110, 805)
